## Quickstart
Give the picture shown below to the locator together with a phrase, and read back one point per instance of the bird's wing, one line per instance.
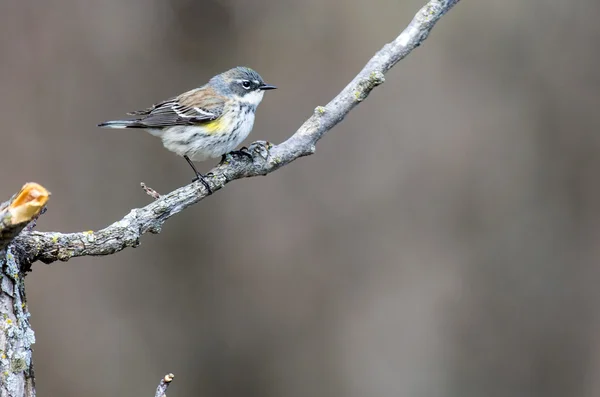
(190, 108)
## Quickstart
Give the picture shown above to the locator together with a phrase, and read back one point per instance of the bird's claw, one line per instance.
(259, 147)
(223, 160)
(243, 152)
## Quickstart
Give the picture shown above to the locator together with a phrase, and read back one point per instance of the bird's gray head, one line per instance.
(243, 83)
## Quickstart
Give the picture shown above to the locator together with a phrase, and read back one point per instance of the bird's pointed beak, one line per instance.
(266, 87)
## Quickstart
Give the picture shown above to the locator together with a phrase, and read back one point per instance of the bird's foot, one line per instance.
(243, 152)
(260, 148)
(223, 160)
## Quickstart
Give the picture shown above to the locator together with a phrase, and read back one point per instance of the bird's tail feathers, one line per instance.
(122, 124)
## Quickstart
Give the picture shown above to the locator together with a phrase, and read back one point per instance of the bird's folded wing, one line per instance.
(190, 108)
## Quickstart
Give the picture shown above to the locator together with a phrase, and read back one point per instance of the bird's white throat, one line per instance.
(252, 98)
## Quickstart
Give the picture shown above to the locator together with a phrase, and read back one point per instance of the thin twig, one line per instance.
(265, 158)
(150, 192)
(164, 385)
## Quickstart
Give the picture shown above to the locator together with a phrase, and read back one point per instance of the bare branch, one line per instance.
(266, 158)
(16, 335)
(164, 385)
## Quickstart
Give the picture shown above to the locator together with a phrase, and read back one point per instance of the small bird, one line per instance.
(206, 122)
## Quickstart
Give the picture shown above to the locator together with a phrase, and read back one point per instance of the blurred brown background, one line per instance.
(443, 240)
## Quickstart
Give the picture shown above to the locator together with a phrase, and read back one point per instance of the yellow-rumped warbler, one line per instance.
(206, 122)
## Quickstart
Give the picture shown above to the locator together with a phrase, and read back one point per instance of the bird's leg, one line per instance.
(199, 176)
(223, 159)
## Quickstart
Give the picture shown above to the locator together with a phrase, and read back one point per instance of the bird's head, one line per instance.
(243, 83)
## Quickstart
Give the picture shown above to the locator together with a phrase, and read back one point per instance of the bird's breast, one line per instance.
(214, 138)
(244, 122)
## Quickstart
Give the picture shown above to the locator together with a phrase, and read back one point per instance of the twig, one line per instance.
(49, 247)
(164, 385)
(150, 192)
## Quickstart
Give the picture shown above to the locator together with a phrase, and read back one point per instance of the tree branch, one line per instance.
(16, 335)
(266, 158)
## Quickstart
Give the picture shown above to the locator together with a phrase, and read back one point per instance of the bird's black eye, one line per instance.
(246, 84)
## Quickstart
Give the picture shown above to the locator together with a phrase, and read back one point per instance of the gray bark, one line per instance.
(16, 335)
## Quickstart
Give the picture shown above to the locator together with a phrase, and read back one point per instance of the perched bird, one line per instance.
(206, 122)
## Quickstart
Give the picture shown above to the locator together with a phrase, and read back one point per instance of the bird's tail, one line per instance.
(122, 124)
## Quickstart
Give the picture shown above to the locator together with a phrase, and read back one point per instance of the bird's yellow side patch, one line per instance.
(217, 126)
